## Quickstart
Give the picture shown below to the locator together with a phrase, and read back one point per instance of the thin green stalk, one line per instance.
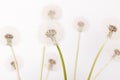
(16, 64)
(103, 68)
(76, 59)
(42, 63)
(62, 60)
(96, 58)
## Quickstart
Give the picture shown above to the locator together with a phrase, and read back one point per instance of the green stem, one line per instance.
(96, 58)
(16, 64)
(42, 63)
(76, 59)
(103, 68)
(62, 60)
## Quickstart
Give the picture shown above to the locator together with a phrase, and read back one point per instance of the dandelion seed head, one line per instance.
(110, 26)
(112, 29)
(9, 36)
(10, 63)
(80, 24)
(50, 33)
(117, 52)
(52, 61)
(113, 50)
(52, 12)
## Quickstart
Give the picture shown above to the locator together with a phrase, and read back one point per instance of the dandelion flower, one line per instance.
(9, 35)
(111, 27)
(10, 63)
(52, 61)
(50, 33)
(52, 12)
(80, 24)
(113, 51)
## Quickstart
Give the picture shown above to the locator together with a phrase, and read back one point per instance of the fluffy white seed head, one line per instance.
(52, 12)
(80, 24)
(10, 63)
(52, 61)
(50, 33)
(9, 36)
(110, 26)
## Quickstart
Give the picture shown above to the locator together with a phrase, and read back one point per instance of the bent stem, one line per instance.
(103, 68)
(96, 58)
(16, 64)
(76, 59)
(62, 60)
(42, 62)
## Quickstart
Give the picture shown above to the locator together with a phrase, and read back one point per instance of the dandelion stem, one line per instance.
(76, 59)
(62, 60)
(96, 58)
(42, 63)
(103, 68)
(16, 64)
(47, 75)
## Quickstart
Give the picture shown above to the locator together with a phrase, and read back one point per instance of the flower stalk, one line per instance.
(42, 62)
(77, 54)
(96, 58)
(62, 61)
(16, 64)
(103, 68)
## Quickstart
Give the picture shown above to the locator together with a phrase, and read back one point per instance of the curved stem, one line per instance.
(46, 78)
(96, 58)
(16, 64)
(62, 60)
(42, 63)
(76, 59)
(103, 68)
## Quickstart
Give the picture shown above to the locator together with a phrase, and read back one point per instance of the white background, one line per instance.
(26, 16)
